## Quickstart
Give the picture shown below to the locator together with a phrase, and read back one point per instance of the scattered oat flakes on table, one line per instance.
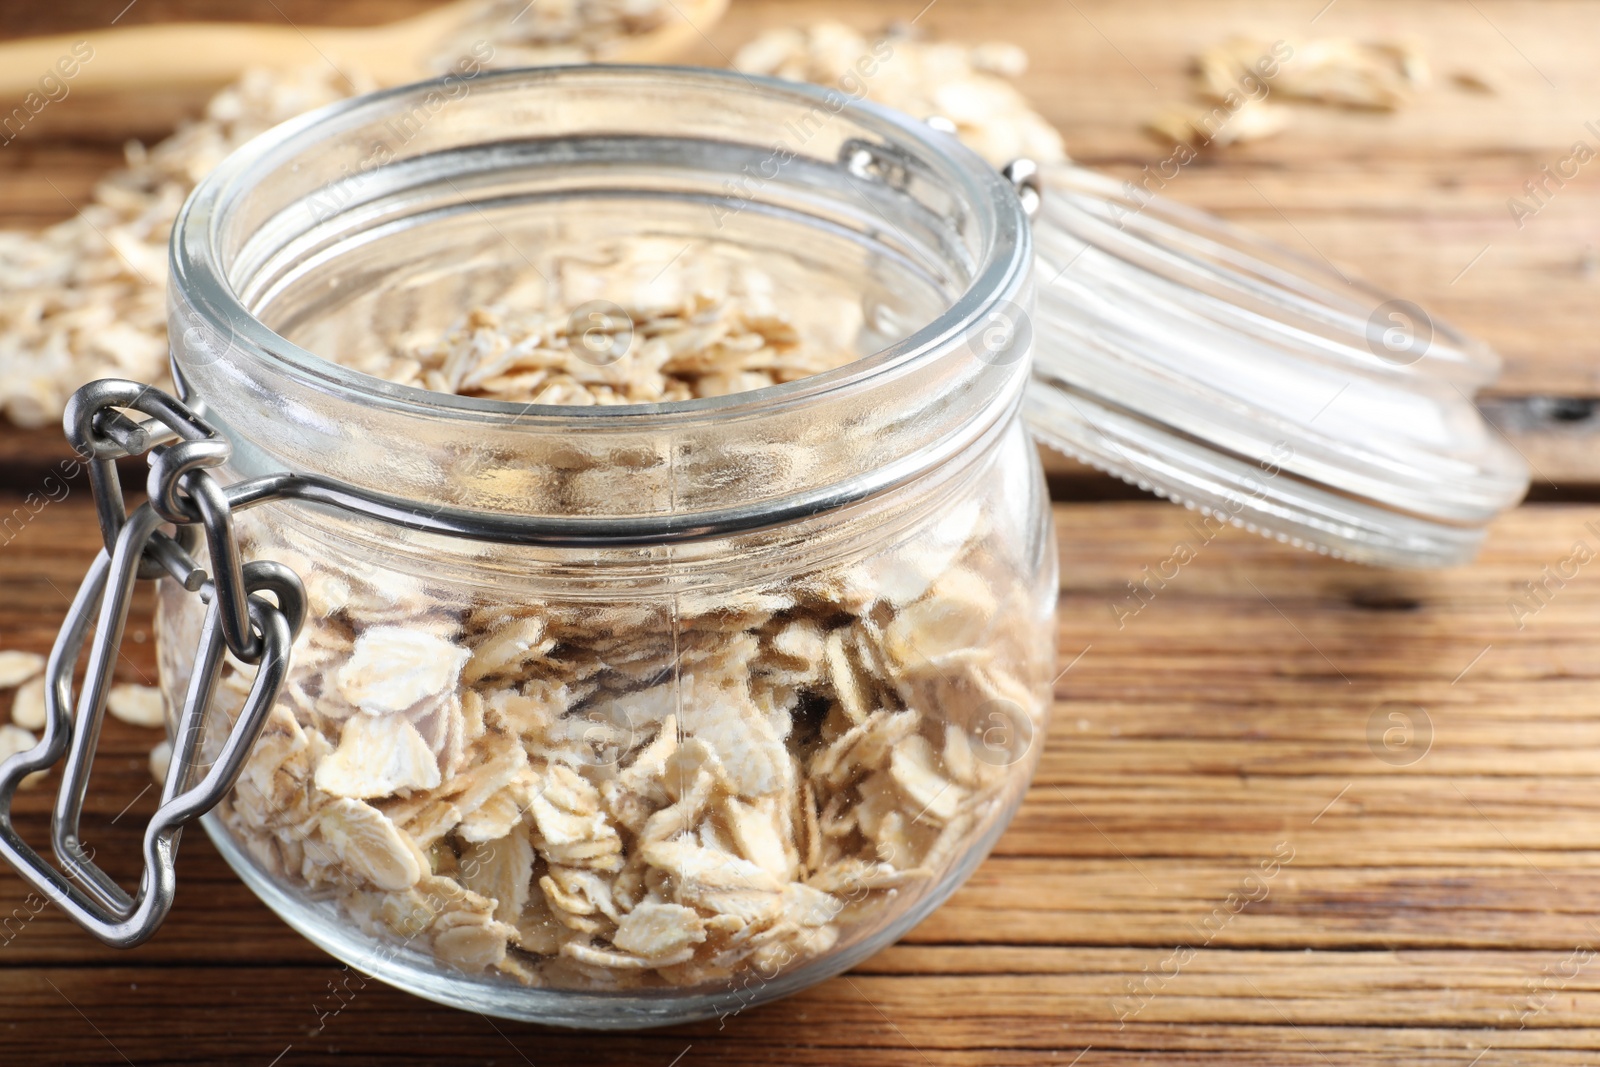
(137, 705)
(961, 84)
(28, 708)
(14, 739)
(160, 760)
(17, 667)
(86, 298)
(1207, 125)
(1245, 83)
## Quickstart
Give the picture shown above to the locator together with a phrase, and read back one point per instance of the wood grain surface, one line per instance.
(1434, 895)
(1416, 201)
(1428, 899)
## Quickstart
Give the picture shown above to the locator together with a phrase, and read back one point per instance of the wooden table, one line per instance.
(1434, 900)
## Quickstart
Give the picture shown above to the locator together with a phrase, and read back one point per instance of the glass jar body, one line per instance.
(639, 787)
(738, 687)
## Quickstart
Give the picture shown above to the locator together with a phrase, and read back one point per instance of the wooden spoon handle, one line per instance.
(177, 54)
(34, 70)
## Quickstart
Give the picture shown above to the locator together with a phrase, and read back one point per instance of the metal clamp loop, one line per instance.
(1023, 174)
(97, 430)
(254, 610)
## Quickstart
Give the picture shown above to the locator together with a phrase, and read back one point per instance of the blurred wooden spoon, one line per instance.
(191, 54)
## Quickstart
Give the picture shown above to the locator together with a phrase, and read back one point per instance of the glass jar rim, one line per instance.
(199, 266)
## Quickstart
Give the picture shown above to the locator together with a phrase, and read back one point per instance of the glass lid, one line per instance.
(1229, 374)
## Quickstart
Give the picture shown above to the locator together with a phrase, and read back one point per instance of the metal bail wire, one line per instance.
(256, 629)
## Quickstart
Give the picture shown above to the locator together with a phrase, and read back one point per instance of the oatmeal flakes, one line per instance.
(378, 756)
(656, 931)
(14, 739)
(620, 961)
(914, 768)
(86, 298)
(28, 708)
(393, 668)
(427, 817)
(566, 813)
(760, 834)
(369, 845)
(509, 649)
(950, 622)
(501, 870)
(274, 787)
(848, 686)
(716, 881)
(957, 756)
(471, 942)
(138, 705)
(605, 794)
(500, 812)
(18, 667)
(806, 905)
(681, 816)
(744, 740)
(160, 761)
(856, 875)
(866, 745)
(1204, 126)
(964, 86)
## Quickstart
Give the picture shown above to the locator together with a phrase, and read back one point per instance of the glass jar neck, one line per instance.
(305, 232)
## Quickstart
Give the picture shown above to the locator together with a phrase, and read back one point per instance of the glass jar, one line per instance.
(760, 689)
(627, 715)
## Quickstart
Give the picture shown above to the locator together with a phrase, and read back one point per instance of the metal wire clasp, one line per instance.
(1023, 174)
(181, 447)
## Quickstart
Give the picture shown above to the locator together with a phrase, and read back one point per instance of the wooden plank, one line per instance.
(1407, 199)
(1417, 201)
(1419, 912)
(1439, 904)
(1045, 1007)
